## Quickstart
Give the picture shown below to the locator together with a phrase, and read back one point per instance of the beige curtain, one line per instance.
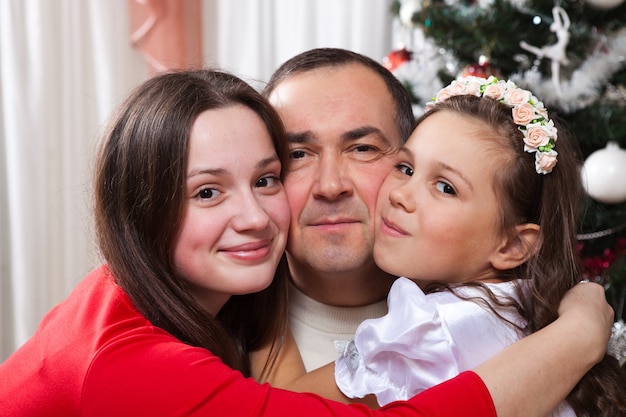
(64, 65)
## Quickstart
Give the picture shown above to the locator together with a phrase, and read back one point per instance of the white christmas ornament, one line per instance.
(604, 174)
(407, 9)
(604, 4)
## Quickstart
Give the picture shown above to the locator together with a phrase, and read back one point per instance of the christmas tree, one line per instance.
(573, 55)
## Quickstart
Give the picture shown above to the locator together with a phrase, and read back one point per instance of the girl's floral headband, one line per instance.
(528, 113)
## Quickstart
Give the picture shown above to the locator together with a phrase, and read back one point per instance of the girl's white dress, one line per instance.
(424, 340)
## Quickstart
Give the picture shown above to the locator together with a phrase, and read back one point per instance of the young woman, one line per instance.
(192, 220)
(480, 216)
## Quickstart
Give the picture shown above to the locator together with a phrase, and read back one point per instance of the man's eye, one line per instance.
(297, 154)
(363, 148)
(445, 188)
(405, 169)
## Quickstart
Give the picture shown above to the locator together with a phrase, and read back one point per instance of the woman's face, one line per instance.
(235, 220)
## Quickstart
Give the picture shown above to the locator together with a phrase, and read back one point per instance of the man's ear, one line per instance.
(516, 249)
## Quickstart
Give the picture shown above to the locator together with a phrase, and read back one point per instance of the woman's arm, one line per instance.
(529, 378)
(289, 373)
(532, 376)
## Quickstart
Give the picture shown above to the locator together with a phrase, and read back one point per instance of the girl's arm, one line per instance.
(529, 378)
(532, 376)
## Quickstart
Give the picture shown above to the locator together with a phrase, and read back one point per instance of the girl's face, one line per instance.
(235, 221)
(437, 213)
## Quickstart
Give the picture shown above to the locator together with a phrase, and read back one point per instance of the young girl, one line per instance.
(479, 214)
(192, 220)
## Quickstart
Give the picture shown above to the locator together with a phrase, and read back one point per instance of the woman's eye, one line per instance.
(208, 193)
(405, 169)
(268, 181)
(445, 188)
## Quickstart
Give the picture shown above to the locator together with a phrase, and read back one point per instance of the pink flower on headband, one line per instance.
(523, 114)
(494, 91)
(516, 96)
(545, 161)
(443, 94)
(457, 88)
(536, 136)
(473, 88)
(527, 111)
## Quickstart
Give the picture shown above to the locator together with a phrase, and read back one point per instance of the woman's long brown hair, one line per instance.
(139, 193)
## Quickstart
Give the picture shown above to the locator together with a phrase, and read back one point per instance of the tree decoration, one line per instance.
(408, 9)
(482, 69)
(555, 52)
(617, 343)
(604, 174)
(396, 58)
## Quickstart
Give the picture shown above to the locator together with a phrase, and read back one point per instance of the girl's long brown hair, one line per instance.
(139, 193)
(551, 201)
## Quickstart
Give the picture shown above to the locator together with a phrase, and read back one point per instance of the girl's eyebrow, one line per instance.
(456, 172)
(404, 151)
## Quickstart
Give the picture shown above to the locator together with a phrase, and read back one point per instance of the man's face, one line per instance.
(342, 140)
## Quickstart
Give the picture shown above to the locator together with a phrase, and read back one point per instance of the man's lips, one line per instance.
(333, 224)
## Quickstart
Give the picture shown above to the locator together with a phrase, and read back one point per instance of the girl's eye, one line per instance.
(405, 169)
(445, 188)
(268, 181)
(208, 193)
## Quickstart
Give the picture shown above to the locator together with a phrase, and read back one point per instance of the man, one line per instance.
(345, 116)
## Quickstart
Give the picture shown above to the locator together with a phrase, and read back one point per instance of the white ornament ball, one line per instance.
(604, 4)
(407, 9)
(604, 174)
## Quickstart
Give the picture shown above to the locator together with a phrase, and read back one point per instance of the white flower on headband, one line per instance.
(528, 113)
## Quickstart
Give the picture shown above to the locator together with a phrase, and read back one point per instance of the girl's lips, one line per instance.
(391, 229)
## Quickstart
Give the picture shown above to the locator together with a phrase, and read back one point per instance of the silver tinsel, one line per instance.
(577, 88)
(617, 342)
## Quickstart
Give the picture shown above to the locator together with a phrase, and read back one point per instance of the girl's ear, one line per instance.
(516, 250)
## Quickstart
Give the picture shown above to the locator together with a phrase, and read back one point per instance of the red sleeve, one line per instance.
(156, 375)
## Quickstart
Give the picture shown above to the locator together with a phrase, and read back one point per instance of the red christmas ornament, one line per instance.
(481, 69)
(397, 58)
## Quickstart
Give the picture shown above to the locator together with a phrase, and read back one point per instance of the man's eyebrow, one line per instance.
(300, 137)
(362, 131)
(350, 135)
